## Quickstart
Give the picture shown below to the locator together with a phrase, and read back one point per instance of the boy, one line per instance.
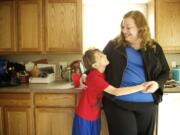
(87, 120)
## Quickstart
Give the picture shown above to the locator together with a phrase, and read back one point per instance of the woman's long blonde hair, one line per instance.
(142, 25)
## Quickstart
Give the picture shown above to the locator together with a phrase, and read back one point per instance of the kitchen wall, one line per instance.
(56, 58)
(51, 58)
(173, 57)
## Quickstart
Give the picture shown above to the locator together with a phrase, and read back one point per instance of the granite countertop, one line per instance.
(56, 86)
(59, 87)
(172, 90)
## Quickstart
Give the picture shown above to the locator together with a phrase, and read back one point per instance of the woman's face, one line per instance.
(129, 30)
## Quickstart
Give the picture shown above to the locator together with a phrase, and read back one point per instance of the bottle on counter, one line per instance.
(35, 71)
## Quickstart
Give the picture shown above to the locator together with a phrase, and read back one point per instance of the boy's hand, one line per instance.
(151, 87)
(144, 86)
(82, 81)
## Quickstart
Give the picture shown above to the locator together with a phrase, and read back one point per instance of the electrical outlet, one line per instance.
(61, 66)
(173, 64)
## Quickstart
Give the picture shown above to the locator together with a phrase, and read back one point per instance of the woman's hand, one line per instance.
(82, 81)
(151, 87)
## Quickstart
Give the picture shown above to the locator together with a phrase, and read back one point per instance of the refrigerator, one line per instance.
(168, 122)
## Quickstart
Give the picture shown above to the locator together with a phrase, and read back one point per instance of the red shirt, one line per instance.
(90, 99)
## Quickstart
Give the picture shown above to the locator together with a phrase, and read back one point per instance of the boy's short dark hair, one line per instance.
(89, 58)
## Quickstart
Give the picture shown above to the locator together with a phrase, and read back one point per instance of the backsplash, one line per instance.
(173, 57)
(56, 58)
(51, 58)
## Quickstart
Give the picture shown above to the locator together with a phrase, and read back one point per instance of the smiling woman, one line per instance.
(101, 19)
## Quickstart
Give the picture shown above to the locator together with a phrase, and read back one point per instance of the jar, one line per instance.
(176, 73)
(66, 74)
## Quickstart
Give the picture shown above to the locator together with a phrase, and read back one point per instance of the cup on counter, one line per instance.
(76, 79)
(24, 79)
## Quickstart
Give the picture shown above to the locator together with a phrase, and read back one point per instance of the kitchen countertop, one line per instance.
(55, 87)
(172, 90)
(59, 87)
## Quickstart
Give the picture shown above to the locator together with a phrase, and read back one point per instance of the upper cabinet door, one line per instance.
(29, 25)
(7, 26)
(63, 25)
(168, 25)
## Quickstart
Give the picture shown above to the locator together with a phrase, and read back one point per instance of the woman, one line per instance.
(134, 58)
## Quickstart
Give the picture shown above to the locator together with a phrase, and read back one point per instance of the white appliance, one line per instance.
(169, 115)
(50, 77)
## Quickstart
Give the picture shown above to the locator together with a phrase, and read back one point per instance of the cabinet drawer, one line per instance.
(55, 100)
(22, 99)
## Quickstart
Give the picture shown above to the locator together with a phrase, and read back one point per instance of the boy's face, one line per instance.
(101, 59)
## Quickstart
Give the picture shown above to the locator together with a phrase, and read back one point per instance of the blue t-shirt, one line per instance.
(133, 75)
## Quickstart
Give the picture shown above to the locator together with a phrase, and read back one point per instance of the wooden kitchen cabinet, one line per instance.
(18, 121)
(21, 26)
(63, 22)
(39, 113)
(30, 28)
(1, 122)
(54, 121)
(104, 127)
(7, 26)
(167, 28)
(33, 26)
(16, 114)
(54, 113)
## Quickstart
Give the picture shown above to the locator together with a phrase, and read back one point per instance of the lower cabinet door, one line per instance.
(104, 127)
(1, 122)
(18, 121)
(54, 121)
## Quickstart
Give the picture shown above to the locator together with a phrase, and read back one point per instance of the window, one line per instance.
(102, 18)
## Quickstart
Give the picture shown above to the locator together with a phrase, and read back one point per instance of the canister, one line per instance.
(176, 73)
